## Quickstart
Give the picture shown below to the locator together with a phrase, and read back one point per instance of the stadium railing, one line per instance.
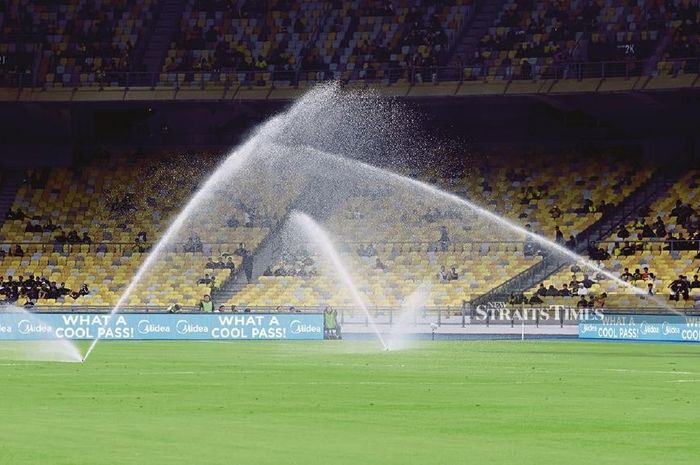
(501, 314)
(31, 247)
(386, 76)
(655, 243)
(68, 248)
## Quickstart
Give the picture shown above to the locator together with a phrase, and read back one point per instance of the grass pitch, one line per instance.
(477, 402)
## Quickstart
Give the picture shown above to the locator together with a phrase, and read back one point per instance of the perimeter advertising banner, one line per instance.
(143, 326)
(670, 328)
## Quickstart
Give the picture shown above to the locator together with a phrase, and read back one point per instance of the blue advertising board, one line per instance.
(144, 326)
(672, 328)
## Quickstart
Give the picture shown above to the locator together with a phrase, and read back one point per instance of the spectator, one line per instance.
(603, 207)
(541, 291)
(571, 243)
(174, 308)
(558, 236)
(659, 228)
(18, 215)
(679, 288)
(33, 226)
(555, 212)
(601, 254)
(138, 247)
(206, 305)
(535, 300)
(574, 283)
(197, 244)
(444, 239)
(49, 226)
(86, 239)
(623, 233)
(241, 250)
(17, 251)
(627, 250)
(453, 275)
(188, 246)
(587, 282)
(695, 284)
(73, 237)
(371, 250)
(637, 275)
(529, 243)
(247, 266)
(205, 280)
(379, 265)
(626, 275)
(564, 291)
(442, 275)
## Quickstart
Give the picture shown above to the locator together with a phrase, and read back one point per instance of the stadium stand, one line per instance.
(548, 39)
(375, 40)
(347, 40)
(653, 250)
(281, 43)
(249, 40)
(55, 211)
(428, 241)
(683, 19)
(74, 42)
(80, 226)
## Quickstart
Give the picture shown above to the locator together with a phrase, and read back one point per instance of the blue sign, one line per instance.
(144, 326)
(642, 328)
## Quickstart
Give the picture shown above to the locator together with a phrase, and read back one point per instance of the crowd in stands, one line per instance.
(544, 38)
(683, 53)
(351, 39)
(76, 41)
(26, 292)
(299, 262)
(685, 219)
(430, 242)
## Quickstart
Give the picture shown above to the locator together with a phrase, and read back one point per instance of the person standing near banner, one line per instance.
(206, 305)
(328, 323)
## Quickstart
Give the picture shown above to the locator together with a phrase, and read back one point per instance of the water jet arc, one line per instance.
(553, 246)
(318, 235)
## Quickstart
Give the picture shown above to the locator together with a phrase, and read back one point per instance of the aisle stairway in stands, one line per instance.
(11, 181)
(641, 199)
(166, 24)
(318, 200)
(484, 18)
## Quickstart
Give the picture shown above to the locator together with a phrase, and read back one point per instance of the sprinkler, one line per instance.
(433, 328)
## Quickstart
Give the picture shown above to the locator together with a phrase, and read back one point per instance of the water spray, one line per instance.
(318, 235)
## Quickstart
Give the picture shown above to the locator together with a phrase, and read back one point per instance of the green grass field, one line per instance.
(481, 402)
